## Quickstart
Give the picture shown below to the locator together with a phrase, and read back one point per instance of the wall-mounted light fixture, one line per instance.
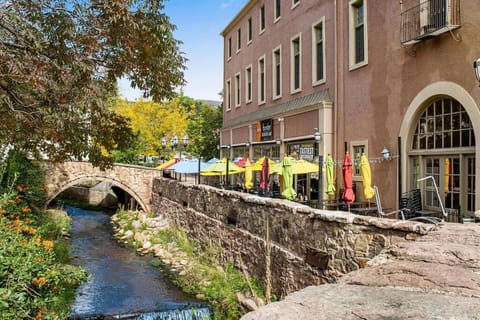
(247, 144)
(278, 141)
(317, 135)
(476, 67)
(387, 155)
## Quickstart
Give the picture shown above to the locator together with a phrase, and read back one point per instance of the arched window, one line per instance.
(443, 147)
(443, 124)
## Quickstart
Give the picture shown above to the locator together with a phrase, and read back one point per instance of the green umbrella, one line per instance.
(287, 175)
(329, 164)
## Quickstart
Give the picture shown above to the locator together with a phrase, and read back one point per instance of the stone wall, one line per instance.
(307, 246)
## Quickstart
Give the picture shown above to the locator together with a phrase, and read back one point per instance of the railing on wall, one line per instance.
(429, 19)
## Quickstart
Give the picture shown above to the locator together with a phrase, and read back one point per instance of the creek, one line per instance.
(122, 284)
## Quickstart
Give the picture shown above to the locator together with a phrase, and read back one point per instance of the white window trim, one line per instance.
(274, 73)
(351, 35)
(249, 31)
(355, 144)
(229, 48)
(264, 80)
(238, 90)
(314, 53)
(294, 5)
(275, 18)
(292, 64)
(248, 99)
(239, 40)
(260, 30)
(228, 95)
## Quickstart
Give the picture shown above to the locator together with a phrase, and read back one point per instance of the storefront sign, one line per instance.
(304, 151)
(266, 130)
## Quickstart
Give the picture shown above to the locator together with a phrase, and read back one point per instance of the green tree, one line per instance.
(59, 65)
(203, 130)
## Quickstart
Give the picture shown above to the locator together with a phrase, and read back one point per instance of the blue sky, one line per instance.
(199, 24)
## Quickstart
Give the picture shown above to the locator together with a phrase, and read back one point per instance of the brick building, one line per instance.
(370, 76)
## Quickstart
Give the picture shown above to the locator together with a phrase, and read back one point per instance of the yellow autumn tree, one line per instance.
(153, 121)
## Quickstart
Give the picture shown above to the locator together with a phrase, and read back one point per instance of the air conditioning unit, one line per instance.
(436, 15)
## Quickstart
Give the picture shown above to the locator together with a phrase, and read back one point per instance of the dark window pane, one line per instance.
(359, 45)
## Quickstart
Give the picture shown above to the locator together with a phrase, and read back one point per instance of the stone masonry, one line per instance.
(298, 245)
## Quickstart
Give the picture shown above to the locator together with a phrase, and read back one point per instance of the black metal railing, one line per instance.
(428, 19)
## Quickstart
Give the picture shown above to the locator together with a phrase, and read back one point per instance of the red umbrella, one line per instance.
(264, 174)
(348, 195)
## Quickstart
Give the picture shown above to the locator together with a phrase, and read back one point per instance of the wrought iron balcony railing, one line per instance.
(429, 19)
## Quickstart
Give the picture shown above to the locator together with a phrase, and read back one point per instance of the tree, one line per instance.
(153, 121)
(203, 131)
(59, 63)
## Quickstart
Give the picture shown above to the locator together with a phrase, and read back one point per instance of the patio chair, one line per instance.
(380, 211)
(402, 211)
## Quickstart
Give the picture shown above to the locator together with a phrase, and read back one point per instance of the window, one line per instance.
(237, 90)
(239, 39)
(249, 30)
(358, 33)
(296, 63)
(318, 53)
(229, 48)
(277, 73)
(262, 19)
(277, 10)
(295, 3)
(228, 94)
(248, 84)
(358, 148)
(261, 80)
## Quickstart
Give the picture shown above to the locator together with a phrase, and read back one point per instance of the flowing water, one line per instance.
(123, 285)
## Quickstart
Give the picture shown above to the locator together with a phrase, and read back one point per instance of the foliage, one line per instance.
(153, 121)
(59, 65)
(203, 131)
(34, 283)
(27, 176)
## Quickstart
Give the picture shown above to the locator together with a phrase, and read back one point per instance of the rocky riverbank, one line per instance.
(144, 232)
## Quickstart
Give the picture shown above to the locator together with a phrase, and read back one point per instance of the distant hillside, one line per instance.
(212, 103)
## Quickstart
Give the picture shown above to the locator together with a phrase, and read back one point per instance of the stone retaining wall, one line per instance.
(307, 246)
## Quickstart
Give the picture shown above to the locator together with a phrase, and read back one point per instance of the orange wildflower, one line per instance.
(26, 210)
(47, 244)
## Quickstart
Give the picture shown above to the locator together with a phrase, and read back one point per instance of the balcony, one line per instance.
(429, 19)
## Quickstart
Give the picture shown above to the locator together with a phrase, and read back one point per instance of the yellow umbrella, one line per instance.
(248, 175)
(366, 173)
(219, 168)
(257, 166)
(447, 173)
(167, 164)
(298, 167)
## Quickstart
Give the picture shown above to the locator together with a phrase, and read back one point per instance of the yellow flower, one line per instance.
(47, 244)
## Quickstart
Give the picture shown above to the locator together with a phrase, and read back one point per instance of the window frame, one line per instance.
(239, 39)
(353, 6)
(277, 14)
(238, 90)
(249, 30)
(295, 3)
(229, 48)
(261, 20)
(262, 83)
(295, 38)
(354, 144)
(228, 94)
(315, 80)
(248, 84)
(276, 76)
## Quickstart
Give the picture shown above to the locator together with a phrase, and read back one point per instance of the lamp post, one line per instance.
(318, 138)
(164, 143)
(476, 67)
(174, 142)
(185, 143)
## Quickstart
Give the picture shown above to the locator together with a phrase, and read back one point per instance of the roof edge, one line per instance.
(239, 15)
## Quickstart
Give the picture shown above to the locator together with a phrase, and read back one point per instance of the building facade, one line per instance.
(369, 76)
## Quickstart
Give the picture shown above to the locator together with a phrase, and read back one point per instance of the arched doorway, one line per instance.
(442, 144)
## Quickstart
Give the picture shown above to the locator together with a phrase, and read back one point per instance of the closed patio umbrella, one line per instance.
(366, 174)
(330, 165)
(348, 195)
(264, 175)
(287, 176)
(248, 175)
(257, 166)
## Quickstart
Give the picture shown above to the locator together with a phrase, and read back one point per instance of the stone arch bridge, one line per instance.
(136, 181)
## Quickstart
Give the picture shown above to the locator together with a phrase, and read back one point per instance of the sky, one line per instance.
(199, 24)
